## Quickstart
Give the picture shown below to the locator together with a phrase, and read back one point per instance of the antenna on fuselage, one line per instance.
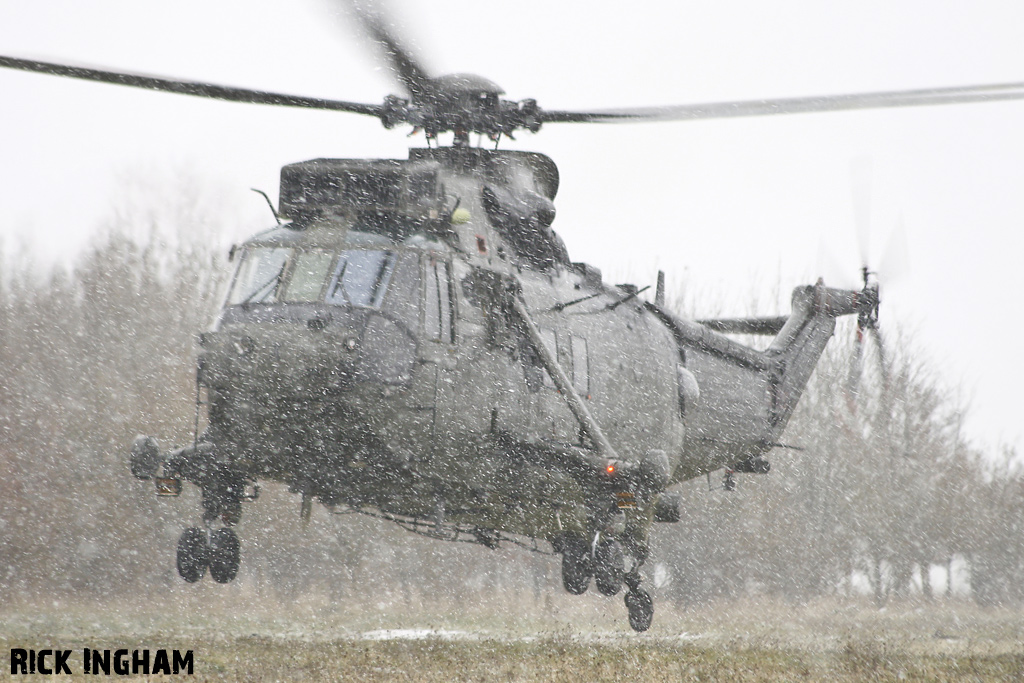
(269, 203)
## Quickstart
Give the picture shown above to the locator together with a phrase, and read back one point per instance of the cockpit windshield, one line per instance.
(309, 276)
(259, 276)
(353, 277)
(361, 278)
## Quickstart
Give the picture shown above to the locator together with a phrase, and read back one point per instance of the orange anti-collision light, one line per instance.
(610, 469)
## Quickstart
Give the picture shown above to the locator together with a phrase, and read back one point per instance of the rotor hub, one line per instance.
(461, 104)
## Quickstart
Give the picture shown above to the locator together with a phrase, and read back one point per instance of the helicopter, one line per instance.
(413, 341)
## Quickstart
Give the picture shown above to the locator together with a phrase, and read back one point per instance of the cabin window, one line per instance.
(259, 275)
(308, 276)
(580, 366)
(438, 320)
(360, 278)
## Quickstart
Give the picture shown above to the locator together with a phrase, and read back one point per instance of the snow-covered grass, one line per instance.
(240, 636)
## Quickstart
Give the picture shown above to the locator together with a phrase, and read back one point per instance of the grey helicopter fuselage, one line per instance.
(364, 356)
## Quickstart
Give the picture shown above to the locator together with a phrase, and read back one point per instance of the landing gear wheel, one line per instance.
(224, 555)
(609, 567)
(193, 554)
(641, 609)
(577, 567)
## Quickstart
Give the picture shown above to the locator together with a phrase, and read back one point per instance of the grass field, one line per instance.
(559, 639)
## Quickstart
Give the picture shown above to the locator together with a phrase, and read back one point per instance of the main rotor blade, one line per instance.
(208, 90)
(411, 74)
(793, 105)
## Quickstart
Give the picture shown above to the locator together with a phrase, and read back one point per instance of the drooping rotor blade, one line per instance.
(793, 105)
(408, 70)
(208, 90)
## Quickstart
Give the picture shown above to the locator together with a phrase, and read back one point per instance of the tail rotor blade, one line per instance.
(883, 358)
(860, 174)
(885, 393)
(895, 263)
(856, 364)
(832, 269)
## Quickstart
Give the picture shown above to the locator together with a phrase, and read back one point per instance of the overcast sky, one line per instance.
(724, 206)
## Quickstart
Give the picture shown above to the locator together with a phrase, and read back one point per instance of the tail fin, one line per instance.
(795, 351)
(748, 396)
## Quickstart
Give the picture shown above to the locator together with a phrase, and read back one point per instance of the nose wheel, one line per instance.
(609, 567)
(193, 554)
(224, 555)
(577, 565)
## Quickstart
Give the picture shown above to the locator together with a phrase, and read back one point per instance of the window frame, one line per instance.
(586, 390)
(432, 327)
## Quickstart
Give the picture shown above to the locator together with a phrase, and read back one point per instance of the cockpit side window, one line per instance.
(308, 276)
(259, 275)
(361, 278)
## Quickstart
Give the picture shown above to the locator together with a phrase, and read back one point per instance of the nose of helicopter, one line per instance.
(307, 355)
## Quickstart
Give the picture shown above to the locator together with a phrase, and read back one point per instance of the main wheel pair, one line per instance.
(221, 554)
(606, 565)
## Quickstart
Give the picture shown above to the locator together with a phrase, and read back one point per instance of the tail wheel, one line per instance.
(224, 555)
(609, 567)
(577, 566)
(641, 609)
(193, 554)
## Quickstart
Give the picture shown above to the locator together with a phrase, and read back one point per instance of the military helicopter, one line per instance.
(413, 341)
